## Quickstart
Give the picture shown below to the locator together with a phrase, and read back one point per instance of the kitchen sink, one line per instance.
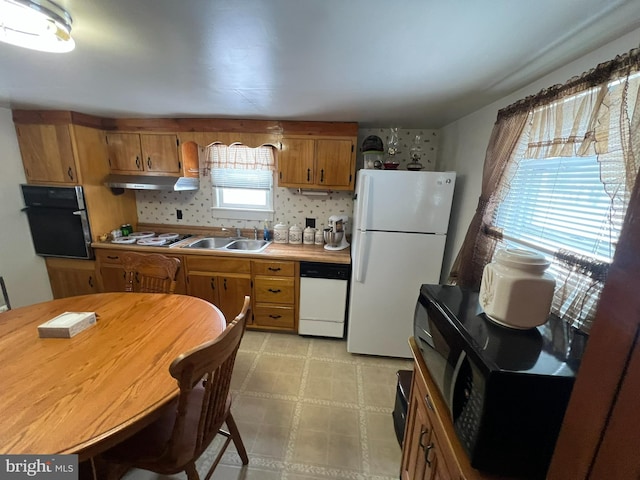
(229, 243)
(210, 242)
(248, 245)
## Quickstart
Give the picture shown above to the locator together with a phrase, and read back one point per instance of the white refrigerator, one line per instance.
(400, 224)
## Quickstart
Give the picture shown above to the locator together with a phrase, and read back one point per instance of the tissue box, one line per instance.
(67, 324)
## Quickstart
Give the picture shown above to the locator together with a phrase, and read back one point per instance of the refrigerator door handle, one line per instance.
(359, 261)
(363, 223)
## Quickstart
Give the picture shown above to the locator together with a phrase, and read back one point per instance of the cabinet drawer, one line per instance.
(274, 290)
(274, 316)
(273, 268)
(218, 264)
(109, 257)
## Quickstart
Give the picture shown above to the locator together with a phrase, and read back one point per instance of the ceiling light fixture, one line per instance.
(36, 24)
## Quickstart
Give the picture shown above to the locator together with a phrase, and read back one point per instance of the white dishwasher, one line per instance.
(324, 291)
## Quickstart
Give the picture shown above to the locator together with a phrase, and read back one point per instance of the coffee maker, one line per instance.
(335, 236)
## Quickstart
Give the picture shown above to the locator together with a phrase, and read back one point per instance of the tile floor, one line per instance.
(308, 410)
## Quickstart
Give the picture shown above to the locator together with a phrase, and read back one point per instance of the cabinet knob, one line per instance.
(213, 285)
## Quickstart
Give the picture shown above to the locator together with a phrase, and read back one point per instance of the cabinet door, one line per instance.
(125, 154)
(160, 153)
(203, 286)
(71, 277)
(47, 154)
(417, 437)
(112, 278)
(334, 166)
(231, 293)
(295, 162)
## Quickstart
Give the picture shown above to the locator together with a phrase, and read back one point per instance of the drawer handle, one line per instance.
(427, 449)
(112, 257)
(149, 162)
(275, 316)
(277, 269)
(90, 281)
(138, 162)
(429, 403)
(275, 290)
(422, 434)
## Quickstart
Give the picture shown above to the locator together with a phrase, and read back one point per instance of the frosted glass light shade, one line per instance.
(36, 24)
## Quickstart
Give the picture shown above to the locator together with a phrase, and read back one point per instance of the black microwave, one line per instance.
(507, 390)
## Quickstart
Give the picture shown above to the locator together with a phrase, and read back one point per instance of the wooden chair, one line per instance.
(178, 438)
(152, 273)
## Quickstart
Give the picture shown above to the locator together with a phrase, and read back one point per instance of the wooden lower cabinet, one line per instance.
(422, 457)
(275, 298)
(70, 277)
(221, 281)
(111, 273)
(224, 281)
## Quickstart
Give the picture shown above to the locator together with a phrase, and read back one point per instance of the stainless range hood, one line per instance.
(149, 182)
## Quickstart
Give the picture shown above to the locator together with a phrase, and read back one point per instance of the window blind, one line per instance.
(233, 178)
(560, 204)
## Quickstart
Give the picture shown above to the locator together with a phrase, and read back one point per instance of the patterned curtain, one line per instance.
(596, 114)
(239, 157)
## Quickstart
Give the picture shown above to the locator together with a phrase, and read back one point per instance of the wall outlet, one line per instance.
(310, 222)
(179, 214)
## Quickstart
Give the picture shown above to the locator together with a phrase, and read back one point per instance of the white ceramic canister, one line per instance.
(515, 290)
(295, 235)
(320, 236)
(308, 236)
(281, 233)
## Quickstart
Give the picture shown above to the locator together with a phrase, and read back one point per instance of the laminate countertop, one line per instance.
(275, 251)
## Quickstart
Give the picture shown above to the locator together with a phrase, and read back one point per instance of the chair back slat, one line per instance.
(150, 273)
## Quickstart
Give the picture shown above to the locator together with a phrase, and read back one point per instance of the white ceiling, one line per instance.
(406, 63)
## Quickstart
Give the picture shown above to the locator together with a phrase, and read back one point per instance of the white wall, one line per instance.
(463, 143)
(24, 273)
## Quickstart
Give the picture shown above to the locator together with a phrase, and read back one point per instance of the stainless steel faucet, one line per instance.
(255, 233)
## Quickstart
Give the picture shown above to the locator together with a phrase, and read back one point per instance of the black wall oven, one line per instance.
(58, 221)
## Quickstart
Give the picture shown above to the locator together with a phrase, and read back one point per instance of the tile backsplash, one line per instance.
(160, 207)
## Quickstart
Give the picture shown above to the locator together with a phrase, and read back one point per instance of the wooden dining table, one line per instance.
(84, 394)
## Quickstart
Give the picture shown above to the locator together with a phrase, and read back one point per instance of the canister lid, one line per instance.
(521, 258)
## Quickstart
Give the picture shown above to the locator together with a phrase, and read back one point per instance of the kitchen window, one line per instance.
(559, 171)
(241, 181)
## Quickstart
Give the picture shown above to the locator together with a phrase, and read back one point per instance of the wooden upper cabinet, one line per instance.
(317, 163)
(295, 162)
(154, 154)
(47, 153)
(335, 163)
